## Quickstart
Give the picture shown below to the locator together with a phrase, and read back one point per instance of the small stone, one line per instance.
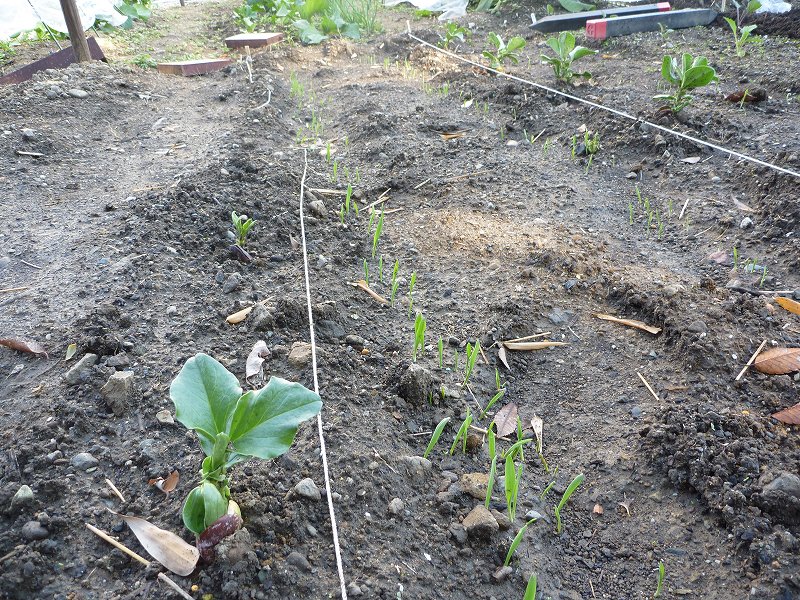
(75, 374)
(53, 92)
(300, 355)
(458, 533)
(23, 497)
(317, 208)
(28, 134)
(321, 261)
(83, 461)
(55, 455)
(715, 179)
(785, 483)
(532, 514)
(76, 93)
(502, 519)
(417, 466)
(480, 523)
(746, 223)
(475, 484)
(118, 391)
(636, 412)
(502, 573)
(416, 384)
(356, 341)
(164, 417)
(33, 530)
(631, 175)
(396, 507)
(171, 310)
(299, 561)
(118, 360)
(231, 283)
(308, 489)
(560, 316)
(354, 590)
(697, 327)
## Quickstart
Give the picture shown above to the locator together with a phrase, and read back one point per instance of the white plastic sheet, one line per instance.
(774, 6)
(450, 9)
(19, 15)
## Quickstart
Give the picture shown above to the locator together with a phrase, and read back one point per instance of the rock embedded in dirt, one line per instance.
(22, 498)
(33, 530)
(416, 384)
(458, 533)
(118, 391)
(475, 484)
(746, 223)
(354, 590)
(416, 466)
(697, 327)
(164, 417)
(84, 461)
(308, 489)
(78, 93)
(298, 561)
(785, 483)
(502, 573)
(118, 360)
(318, 209)
(502, 519)
(300, 355)
(75, 374)
(480, 523)
(396, 507)
(356, 341)
(231, 283)
(636, 412)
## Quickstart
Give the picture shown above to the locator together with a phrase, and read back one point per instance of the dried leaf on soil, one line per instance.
(778, 361)
(506, 420)
(630, 323)
(747, 95)
(787, 303)
(166, 485)
(790, 416)
(24, 346)
(71, 350)
(451, 135)
(742, 206)
(598, 509)
(721, 257)
(239, 316)
(164, 546)
(522, 346)
(362, 284)
(501, 354)
(691, 160)
(538, 426)
(256, 358)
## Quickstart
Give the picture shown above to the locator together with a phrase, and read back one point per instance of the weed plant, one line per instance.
(566, 53)
(565, 498)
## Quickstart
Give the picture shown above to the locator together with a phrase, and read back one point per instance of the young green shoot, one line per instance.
(566, 52)
(420, 324)
(499, 384)
(377, 235)
(503, 51)
(513, 478)
(452, 31)
(461, 435)
(660, 582)
(395, 282)
(455, 361)
(530, 589)
(341, 213)
(437, 433)
(684, 73)
(565, 498)
(490, 483)
(492, 402)
(411, 285)
(516, 542)
(440, 347)
(472, 357)
(546, 490)
(366, 272)
(741, 36)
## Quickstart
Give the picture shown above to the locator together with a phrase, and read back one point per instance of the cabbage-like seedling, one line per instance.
(232, 427)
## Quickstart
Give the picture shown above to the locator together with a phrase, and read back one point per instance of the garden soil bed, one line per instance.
(119, 235)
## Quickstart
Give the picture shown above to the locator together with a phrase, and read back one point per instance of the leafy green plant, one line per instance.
(684, 73)
(437, 433)
(472, 357)
(660, 582)
(566, 53)
(232, 427)
(461, 434)
(241, 226)
(452, 31)
(741, 36)
(516, 542)
(144, 61)
(420, 324)
(574, 6)
(530, 589)
(502, 51)
(377, 235)
(565, 498)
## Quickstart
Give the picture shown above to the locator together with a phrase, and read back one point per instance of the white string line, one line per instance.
(614, 111)
(323, 452)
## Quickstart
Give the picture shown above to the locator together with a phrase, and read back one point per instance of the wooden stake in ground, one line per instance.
(750, 362)
(76, 36)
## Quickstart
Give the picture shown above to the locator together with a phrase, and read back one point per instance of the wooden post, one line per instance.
(76, 35)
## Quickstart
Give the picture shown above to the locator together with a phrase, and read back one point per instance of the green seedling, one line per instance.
(565, 498)
(411, 284)
(440, 347)
(735, 258)
(492, 402)
(763, 277)
(232, 427)
(455, 361)
(660, 582)
(502, 51)
(335, 172)
(347, 197)
(452, 32)
(501, 385)
(371, 220)
(530, 589)
(328, 153)
(683, 74)
(741, 36)
(377, 235)
(472, 357)
(395, 283)
(341, 213)
(420, 324)
(241, 226)
(516, 542)
(546, 146)
(366, 272)
(512, 483)
(490, 483)
(437, 433)
(461, 435)
(630, 212)
(566, 53)
(516, 449)
(380, 269)
(546, 490)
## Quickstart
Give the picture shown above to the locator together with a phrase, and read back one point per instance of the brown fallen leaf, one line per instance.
(630, 323)
(166, 485)
(22, 345)
(523, 346)
(790, 416)
(451, 135)
(506, 420)
(239, 316)
(164, 546)
(778, 361)
(598, 509)
(748, 95)
(788, 304)
(256, 359)
(721, 257)
(501, 354)
(363, 285)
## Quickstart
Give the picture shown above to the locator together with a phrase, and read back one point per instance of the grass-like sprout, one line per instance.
(242, 226)
(395, 283)
(380, 269)
(530, 589)
(377, 235)
(411, 284)
(335, 172)
(455, 361)
(440, 347)
(341, 213)
(328, 153)
(501, 385)
(420, 324)
(492, 402)
(472, 357)
(437, 433)
(513, 478)
(371, 220)
(516, 542)
(347, 197)
(565, 498)
(660, 582)
(547, 489)
(461, 435)
(366, 272)
(490, 483)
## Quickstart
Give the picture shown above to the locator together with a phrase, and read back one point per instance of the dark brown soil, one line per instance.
(120, 236)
